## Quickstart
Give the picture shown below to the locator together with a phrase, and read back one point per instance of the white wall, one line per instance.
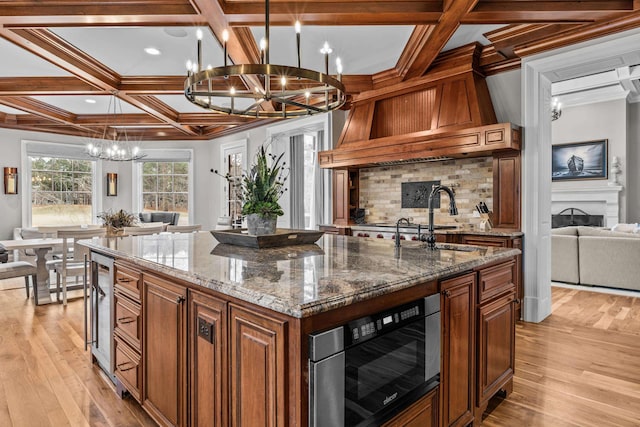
(602, 120)
(506, 96)
(10, 155)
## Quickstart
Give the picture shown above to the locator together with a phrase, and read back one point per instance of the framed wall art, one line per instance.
(579, 160)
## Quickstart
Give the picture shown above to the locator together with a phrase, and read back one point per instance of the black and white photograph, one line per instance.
(581, 160)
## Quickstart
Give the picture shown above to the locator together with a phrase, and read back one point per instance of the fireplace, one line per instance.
(597, 201)
(574, 216)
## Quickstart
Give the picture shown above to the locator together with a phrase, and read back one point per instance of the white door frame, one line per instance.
(538, 72)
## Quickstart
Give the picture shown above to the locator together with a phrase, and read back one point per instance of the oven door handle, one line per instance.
(326, 392)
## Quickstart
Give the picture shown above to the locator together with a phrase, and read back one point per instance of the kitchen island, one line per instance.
(213, 334)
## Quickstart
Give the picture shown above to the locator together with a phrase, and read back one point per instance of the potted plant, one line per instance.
(261, 188)
(115, 221)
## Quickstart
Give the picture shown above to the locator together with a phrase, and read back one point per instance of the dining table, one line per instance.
(41, 289)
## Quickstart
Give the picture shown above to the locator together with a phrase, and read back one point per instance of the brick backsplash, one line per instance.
(471, 180)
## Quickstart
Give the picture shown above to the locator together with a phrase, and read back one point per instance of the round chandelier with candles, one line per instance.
(275, 91)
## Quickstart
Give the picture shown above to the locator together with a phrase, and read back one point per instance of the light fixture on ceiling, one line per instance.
(152, 51)
(276, 91)
(556, 109)
(114, 146)
(90, 101)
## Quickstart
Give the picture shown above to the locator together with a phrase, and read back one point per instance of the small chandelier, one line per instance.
(112, 146)
(556, 110)
(276, 91)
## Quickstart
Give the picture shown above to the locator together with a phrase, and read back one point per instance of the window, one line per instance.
(61, 191)
(234, 161)
(165, 187)
(60, 185)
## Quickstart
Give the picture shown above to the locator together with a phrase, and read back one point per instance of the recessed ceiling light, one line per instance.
(90, 101)
(152, 51)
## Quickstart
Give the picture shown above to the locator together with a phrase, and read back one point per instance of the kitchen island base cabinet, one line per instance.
(423, 413)
(164, 351)
(458, 350)
(258, 367)
(207, 348)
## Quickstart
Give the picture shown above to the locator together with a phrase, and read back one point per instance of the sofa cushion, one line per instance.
(609, 262)
(598, 232)
(564, 259)
(565, 231)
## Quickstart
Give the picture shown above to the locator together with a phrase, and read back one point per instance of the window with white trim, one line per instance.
(166, 183)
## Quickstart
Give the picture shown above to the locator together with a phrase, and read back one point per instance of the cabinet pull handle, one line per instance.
(123, 280)
(125, 320)
(121, 367)
(446, 293)
(180, 300)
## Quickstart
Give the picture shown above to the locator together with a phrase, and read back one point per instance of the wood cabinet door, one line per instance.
(164, 351)
(496, 346)
(257, 367)
(457, 372)
(423, 413)
(207, 349)
(506, 190)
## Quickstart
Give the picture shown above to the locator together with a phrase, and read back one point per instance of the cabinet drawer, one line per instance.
(127, 321)
(129, 282)
(493, 281)
(485, 241)
(423, 413)
(128, 368)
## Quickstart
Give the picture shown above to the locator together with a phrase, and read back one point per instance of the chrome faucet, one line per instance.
(401, 220)
(453, 210)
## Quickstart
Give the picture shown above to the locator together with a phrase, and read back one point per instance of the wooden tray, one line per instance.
(282, 237)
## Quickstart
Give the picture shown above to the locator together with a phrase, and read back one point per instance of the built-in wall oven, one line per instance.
(364, 372)
(99, 312)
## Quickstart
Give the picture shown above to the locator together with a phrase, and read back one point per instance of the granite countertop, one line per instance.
(297, 280)
(446, 229)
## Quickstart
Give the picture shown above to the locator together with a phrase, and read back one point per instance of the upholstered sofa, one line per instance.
(170, 218)
(597, 257)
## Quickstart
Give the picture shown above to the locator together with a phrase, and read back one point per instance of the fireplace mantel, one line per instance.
(600, 200)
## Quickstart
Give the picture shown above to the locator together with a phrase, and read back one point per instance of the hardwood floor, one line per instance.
(580, 367)
(46, 377)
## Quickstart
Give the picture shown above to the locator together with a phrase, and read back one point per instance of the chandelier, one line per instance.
(556, 110)
(113, 146)
(274, 91)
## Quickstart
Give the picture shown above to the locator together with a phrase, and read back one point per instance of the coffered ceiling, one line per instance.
(61, 59)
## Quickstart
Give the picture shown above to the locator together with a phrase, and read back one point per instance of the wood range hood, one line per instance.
(447, 113)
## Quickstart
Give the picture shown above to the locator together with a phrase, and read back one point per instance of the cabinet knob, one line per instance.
(516, 300)
(446, 293)
(180, 299)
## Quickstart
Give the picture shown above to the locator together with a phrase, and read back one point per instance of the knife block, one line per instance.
(486, 224)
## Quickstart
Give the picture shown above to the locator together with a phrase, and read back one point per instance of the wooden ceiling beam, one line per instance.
(438, 37)
(375, 12)
(93, 12)
(30, 86)
(42, 109)
(579, 34)
(59, 52)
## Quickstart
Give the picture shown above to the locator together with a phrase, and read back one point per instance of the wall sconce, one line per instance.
(112, 184)
(10, 180)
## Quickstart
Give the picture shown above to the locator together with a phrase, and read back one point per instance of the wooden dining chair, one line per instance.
(142, 231)
(184, 228)
(72, 262)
